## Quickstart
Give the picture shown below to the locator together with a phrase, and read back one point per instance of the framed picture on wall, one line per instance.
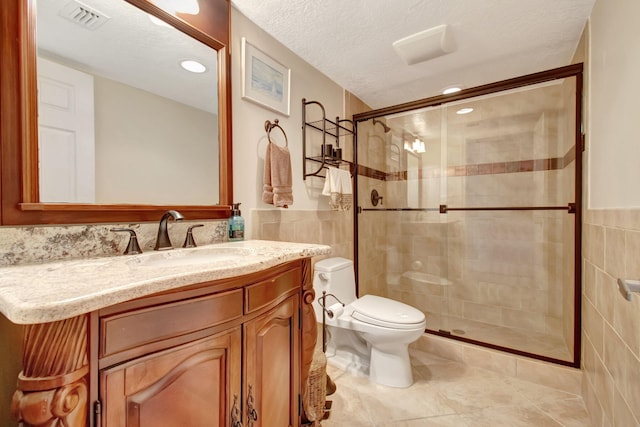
(265, 81)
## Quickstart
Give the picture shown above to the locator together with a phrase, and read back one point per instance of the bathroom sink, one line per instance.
(190, 257)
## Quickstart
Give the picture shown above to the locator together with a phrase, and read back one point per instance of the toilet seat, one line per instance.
(388, 313)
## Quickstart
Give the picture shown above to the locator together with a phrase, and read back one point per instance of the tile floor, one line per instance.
(450, 394)
(519, 339)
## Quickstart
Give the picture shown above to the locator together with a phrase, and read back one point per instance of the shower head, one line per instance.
(386, 128)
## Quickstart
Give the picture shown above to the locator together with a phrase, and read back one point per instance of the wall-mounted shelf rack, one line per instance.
(332, 132)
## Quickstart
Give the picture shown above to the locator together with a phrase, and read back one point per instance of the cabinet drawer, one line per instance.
(263, 293)
(139, 327)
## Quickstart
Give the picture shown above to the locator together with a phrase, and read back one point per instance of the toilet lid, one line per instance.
(386, 312)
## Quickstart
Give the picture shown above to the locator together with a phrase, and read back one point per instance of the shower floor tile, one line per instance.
(447, 394)
(519, 339)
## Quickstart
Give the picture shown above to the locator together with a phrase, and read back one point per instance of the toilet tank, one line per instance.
(335, 276)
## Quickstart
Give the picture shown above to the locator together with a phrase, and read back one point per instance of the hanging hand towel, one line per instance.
(281, 176)
(337, 186)
(346, 189)
(267, 188)
(277, 176)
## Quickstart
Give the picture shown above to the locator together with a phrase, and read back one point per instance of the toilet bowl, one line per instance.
(369, 335)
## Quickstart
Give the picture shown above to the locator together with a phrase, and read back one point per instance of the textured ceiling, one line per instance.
(351, 40)
(129, 49)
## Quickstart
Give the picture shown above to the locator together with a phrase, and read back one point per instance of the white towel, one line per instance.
(338, 187)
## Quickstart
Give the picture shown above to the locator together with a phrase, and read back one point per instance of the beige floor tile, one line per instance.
(511, 416)
(347, 405)
(448, 394)
(520, 339)
(569, 412)
(417, 401)
(443, 421)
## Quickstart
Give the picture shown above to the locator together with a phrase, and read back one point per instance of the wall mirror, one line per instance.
(113, 127)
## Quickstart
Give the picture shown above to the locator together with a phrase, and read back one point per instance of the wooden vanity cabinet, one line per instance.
(214, 354)
(271, 380)
(186, 385)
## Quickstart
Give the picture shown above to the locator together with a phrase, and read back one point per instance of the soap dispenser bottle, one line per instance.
(236, 224)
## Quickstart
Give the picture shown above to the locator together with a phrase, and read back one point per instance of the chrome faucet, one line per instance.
(163, 242)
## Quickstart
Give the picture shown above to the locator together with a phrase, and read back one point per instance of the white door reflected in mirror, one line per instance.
(66, 145)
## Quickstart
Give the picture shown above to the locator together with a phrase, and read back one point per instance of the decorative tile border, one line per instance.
(554, 163)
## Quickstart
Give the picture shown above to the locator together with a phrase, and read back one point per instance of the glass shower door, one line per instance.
(474, 222)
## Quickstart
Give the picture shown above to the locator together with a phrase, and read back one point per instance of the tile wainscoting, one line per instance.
(610, 323)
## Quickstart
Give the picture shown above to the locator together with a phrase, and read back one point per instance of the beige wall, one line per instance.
(611, 235)
(308, 219)
(152, 150)
(249, 137)
(613, 107)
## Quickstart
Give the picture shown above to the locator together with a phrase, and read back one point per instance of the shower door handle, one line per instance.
(375, 197)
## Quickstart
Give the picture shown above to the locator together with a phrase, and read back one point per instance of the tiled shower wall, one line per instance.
(512, 269)
(611, 324)
(373, 248)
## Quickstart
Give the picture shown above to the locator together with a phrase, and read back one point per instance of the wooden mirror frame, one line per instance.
(19, 194)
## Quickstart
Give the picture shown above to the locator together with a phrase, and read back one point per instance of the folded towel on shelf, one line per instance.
(277, 188)
(337, 185)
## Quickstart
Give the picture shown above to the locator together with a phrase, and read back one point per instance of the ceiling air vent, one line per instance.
(83, 15)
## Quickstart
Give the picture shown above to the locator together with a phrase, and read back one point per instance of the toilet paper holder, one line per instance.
(331, 311)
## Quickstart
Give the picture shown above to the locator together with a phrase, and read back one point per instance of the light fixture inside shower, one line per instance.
(417, 146)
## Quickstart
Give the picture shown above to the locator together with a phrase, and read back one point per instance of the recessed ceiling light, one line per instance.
(190, 6)
(464, 111)
(159, 21)
(193, 66)
(182, 6)
(451, 90)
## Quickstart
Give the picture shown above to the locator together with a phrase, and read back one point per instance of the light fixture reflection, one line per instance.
(450, 90)
(416, 147)
(464, 111)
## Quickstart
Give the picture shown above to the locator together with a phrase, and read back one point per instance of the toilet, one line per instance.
(370, 335)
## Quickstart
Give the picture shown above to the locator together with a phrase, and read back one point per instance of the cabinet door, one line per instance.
(271, 384)
(191, 385)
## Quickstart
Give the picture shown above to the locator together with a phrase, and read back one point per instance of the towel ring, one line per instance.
(268, 127)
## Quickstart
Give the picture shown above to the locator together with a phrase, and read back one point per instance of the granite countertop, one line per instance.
(40, 293)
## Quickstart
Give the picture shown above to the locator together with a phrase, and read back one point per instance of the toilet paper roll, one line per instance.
(335, 310)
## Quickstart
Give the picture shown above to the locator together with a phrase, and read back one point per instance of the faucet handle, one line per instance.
(133, 247)
(189, 241)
